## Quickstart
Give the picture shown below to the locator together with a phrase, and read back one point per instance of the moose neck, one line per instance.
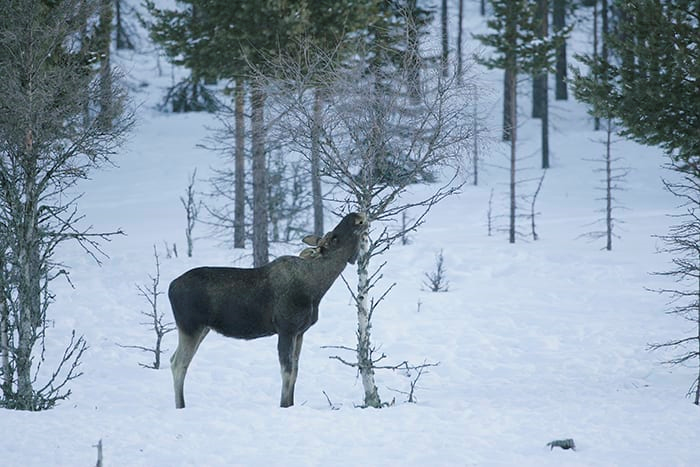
(324, 271)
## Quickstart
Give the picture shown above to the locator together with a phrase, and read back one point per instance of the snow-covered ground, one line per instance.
(535, 341)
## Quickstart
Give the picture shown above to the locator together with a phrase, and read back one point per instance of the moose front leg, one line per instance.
(286, 348)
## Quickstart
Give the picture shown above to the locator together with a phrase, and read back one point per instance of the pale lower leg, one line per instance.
(179, 363)
(285, 348)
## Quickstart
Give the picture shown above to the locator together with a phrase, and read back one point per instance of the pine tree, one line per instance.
(539, 80)
(221, 39)
(237, 40)
(394, 30)
(518, 49)
(559, 24)
(326, 25)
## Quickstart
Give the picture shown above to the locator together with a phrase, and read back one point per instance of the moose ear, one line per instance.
(312, 240)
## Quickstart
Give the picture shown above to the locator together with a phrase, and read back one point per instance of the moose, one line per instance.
(281, 297)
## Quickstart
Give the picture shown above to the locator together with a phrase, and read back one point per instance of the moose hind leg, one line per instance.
(187, 346)
(295, 362)
(286, 347)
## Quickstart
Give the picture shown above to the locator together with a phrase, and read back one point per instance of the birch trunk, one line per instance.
(364, 325)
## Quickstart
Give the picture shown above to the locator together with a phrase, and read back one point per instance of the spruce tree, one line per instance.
(179, 32)
(221, 39)
(650, 82)
(238, 40)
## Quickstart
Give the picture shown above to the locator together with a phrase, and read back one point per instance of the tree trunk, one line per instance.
(604, 44)
(460, 19)
(444, 57)
(316, 193)
(118, 26)
(83, 34)
(29, 302)
(608, 186)
(559, 23)
(511, 69)
(475, 134)
(604, 18)
(29, 273)
(539, 83)
(543, 6)
(239, 180)
(105, 115)
(697, 319)
(364, 346)
(537, 95)
(413, 58)
(4, 338)
(545, 124)
(512, 91)
(260, 193)
(508, 103)
(596, 119)
(6, 383)
(482, 8)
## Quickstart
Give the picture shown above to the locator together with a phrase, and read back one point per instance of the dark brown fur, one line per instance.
(280, 298)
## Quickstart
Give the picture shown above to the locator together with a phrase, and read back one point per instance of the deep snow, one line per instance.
(535, 341)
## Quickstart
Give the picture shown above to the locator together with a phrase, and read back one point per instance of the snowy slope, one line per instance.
(536, 341)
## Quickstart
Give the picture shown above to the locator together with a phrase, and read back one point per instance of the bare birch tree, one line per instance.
(154, 317)
(376, 142)
(684, 296)
(46, 146)
(191, 206)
